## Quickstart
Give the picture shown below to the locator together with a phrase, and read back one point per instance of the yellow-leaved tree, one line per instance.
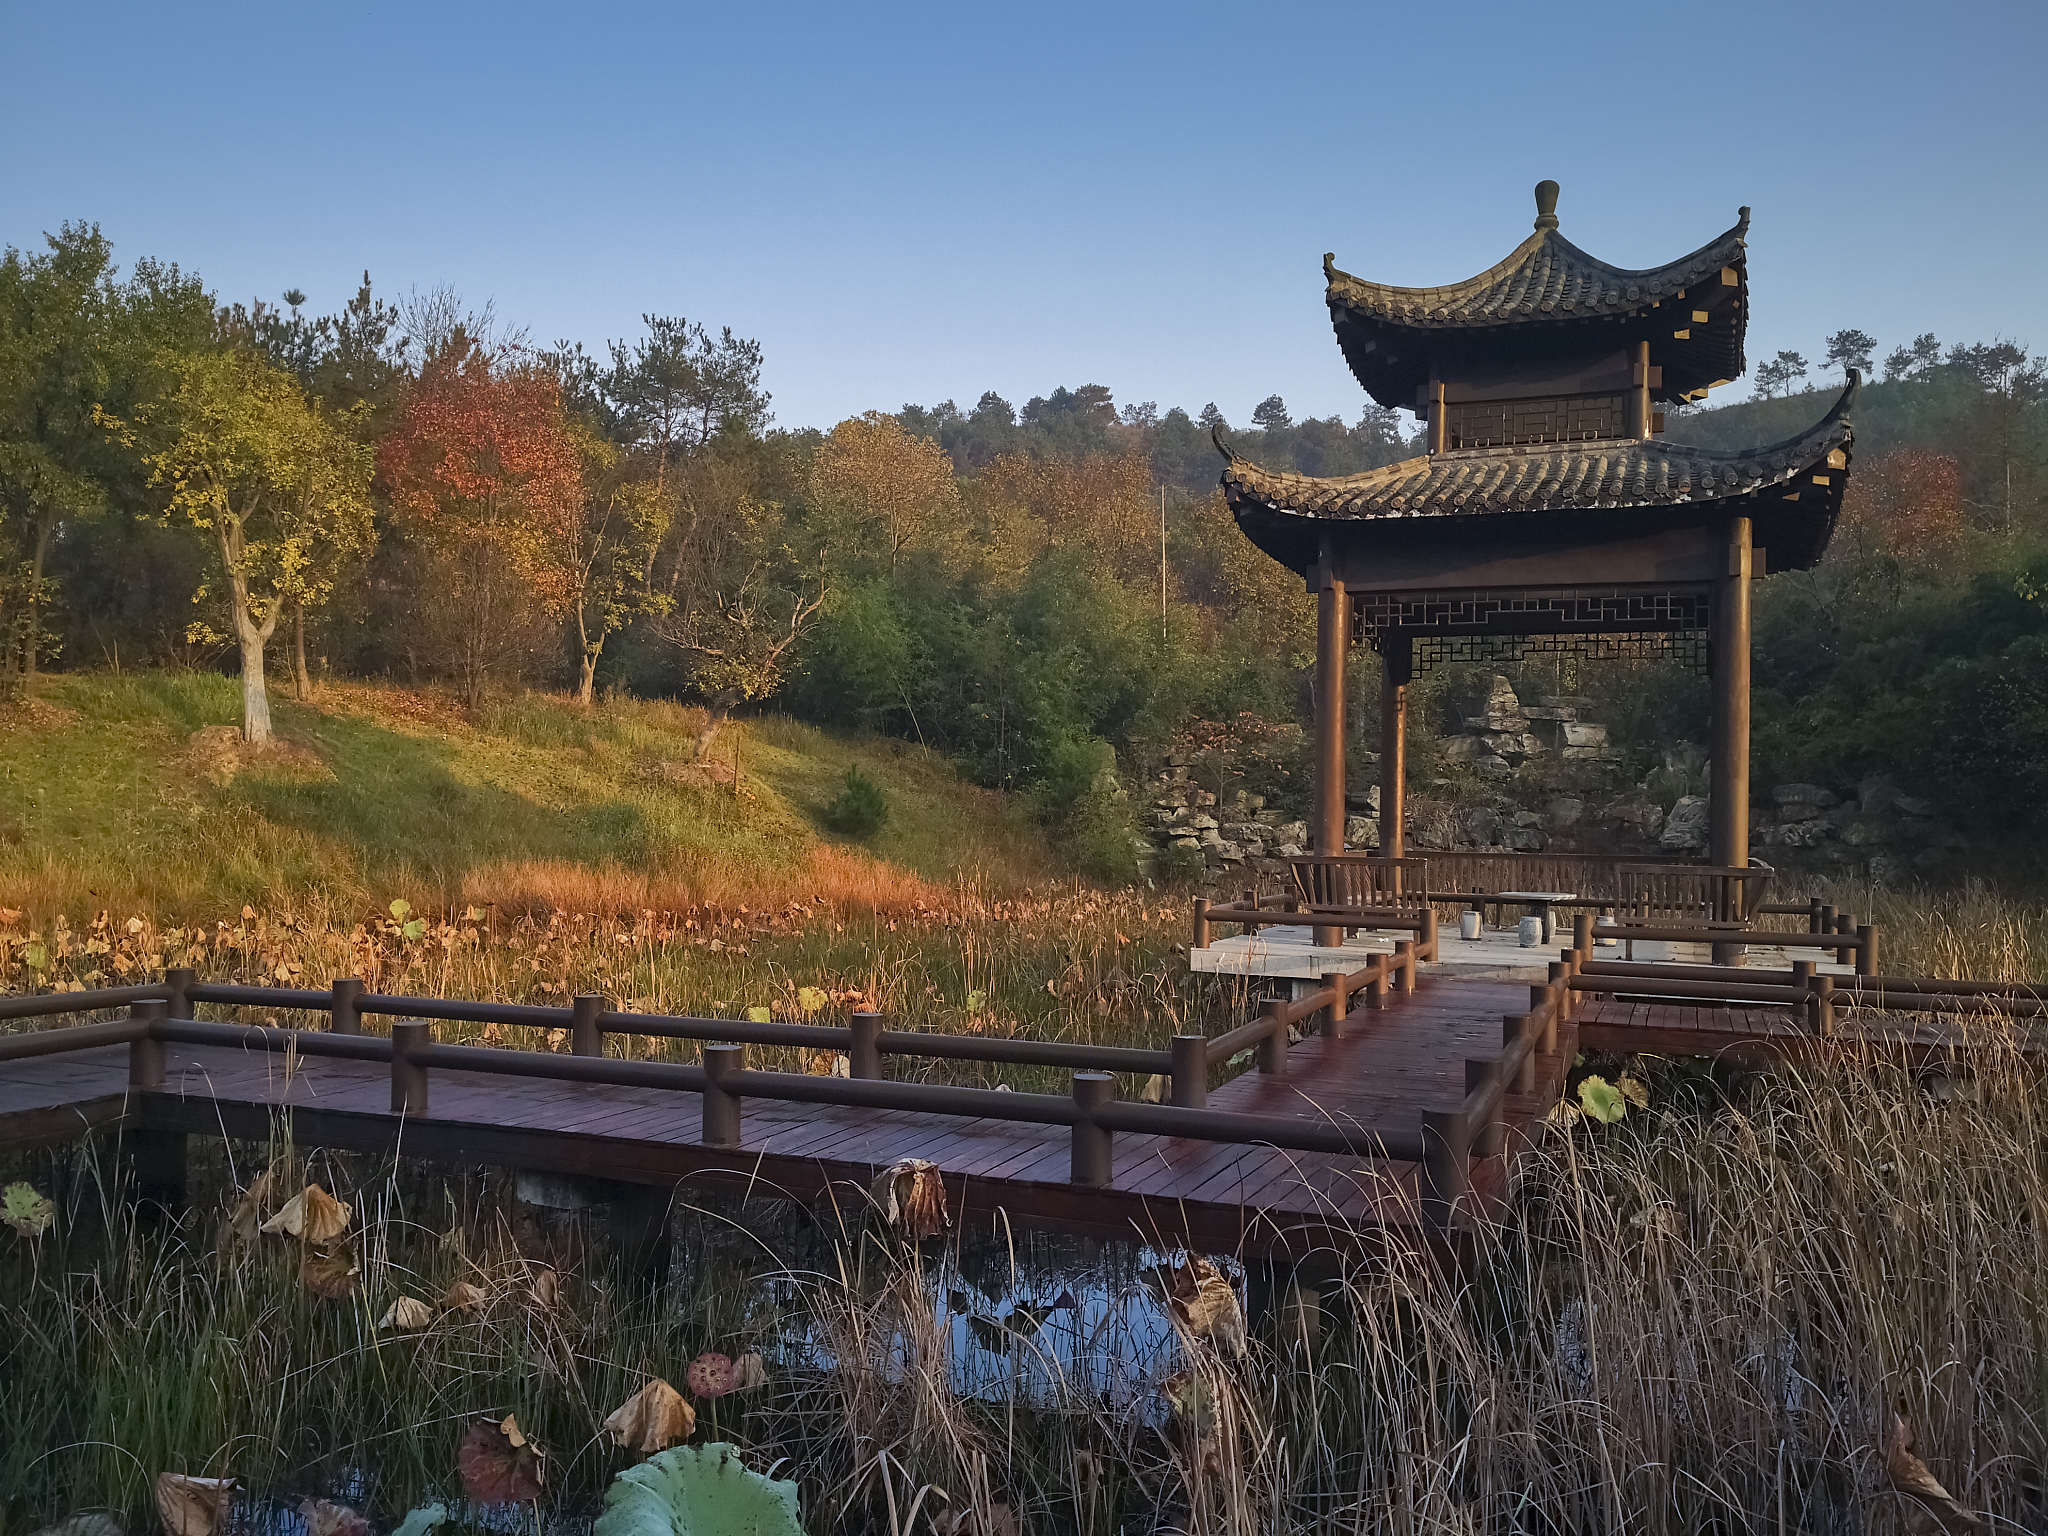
(277, 485)
(890, 490)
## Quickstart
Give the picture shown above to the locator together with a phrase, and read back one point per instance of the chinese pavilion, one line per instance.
(1549, 513)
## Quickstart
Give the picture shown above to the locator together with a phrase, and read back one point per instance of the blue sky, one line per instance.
(910, 203)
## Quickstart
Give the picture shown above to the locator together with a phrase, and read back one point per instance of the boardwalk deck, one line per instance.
(1390, 1066)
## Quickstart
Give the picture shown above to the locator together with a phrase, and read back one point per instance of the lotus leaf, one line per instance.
(1601, 1100)
(698, 1490)
(27, 1212)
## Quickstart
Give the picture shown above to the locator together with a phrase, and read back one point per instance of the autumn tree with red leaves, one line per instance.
(486, 486)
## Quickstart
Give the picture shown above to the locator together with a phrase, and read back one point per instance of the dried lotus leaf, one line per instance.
(312, 1215)
(408, 1314)
(498, 1464)
(193, 1506)
(461, 1296)
(652, 1419)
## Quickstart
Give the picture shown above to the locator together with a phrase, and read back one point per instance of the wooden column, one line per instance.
(1639, 420)
(1728, 843)
(1397, 658)
(1333, 639)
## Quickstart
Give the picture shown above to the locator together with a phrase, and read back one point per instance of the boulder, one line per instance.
(1480, 826)
(1267, 818)
(1863, 834)
(1493, 768)
(1550, 713)
(1173, 799)
(1803, 794)
(1364, 801)
(1635, 812)
(1526, 840)
(1907, 805)
(1804, 834)
(1527, 818)
(1463, 748)
(1565, 811)
(1362, 832)
(1203, 822)
(1585, 735)
(1685, 828)
(1293, 832)
(1292, 851)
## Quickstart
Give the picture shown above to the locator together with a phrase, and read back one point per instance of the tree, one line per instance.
(1775, 377)
(740, 596)
(894, 488)
(1270, 415)
(1211, 418)
(678, 388)
(1909, 361)
(622, 521)
(484, 476)
(1850, 350)
(282, 488)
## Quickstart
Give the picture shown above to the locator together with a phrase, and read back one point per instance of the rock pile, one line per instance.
(1506, 733)
(1229, 835)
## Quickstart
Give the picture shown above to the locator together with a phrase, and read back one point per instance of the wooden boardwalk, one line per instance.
(1389, 1066)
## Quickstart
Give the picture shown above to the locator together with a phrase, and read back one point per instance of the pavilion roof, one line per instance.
(1280, 511)
(1546, 294)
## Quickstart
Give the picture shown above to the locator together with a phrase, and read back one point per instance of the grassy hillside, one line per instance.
(134, 791)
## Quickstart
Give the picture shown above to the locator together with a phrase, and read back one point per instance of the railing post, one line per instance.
(1446, 1156)
(1512, 1027)
(864, 1053)
(1335, 1010)
(1490, 1137)
(180, 979)
(146, 1056)
(409, 1077)
(1201, 933)
(1559, 992)
(1191, 1071)
(1582, 931)
(585, 1037)
(1866, 949)
(1824, 922)
(1272, 1049)
(1376, 985)
(1823, 989)
(1429, 930)
(1813, 911)
(1404, 952)
(1092, 1144)
(1803, 972)
(344, 1008)
(721, 1105)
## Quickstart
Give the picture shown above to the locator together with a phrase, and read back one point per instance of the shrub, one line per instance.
(860, 809)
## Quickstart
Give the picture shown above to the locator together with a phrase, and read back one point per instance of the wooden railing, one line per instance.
(160, 1015)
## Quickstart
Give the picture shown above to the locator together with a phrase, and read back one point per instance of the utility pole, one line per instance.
(1162, 559)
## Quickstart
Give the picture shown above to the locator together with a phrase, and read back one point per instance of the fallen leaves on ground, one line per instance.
(193, 1506)
(912, 1196)
(325, 1518)
(1203, 1303)
(29, 1213)
(499, 1465)
(312, 1215)
(408, 1314)
(1908, 1474)
(652, 1419)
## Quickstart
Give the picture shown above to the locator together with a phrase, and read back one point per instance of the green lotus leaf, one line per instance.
(422, 1520)
(27, 1212)
(697, 1490)
(1602, 1100)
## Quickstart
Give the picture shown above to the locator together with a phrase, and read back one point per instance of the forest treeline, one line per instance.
(417, 490)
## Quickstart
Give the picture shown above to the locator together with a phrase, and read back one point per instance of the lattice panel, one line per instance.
(1585, 610)
(1503, 423)
(1687, 648)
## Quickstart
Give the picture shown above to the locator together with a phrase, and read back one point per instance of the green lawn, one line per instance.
(127, 791)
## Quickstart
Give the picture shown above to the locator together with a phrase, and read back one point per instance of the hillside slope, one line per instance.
(135, 792)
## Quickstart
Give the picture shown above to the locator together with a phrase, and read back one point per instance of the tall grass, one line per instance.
(1700, 1319)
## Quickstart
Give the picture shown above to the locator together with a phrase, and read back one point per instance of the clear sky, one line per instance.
(911, 203)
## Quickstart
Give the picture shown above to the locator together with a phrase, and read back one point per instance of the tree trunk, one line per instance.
(46, 526)
(586, 686)
(301, 678)
(714, 717)
(255, 698)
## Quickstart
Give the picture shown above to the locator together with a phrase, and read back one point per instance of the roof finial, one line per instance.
(1546, 205)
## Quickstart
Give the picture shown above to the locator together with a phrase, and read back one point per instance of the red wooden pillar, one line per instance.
(1728, 843)
(1333, 640)
(1398, 659)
